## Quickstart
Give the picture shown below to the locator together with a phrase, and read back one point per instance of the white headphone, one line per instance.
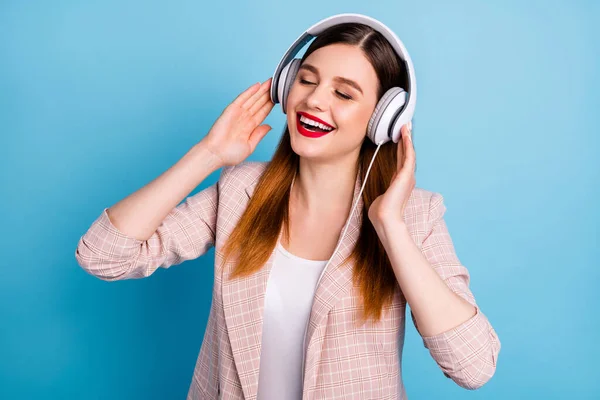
(395, 108)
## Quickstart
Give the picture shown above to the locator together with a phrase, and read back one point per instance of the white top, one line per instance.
(288, 300)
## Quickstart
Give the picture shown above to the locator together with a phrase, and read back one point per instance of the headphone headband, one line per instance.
(328, 22)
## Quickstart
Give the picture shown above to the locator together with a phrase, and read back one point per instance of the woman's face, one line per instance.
(338, 85)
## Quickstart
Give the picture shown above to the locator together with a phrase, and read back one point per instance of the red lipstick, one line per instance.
(305, 132)
(307, 115)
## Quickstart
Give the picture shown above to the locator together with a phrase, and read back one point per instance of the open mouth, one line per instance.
(310, 128)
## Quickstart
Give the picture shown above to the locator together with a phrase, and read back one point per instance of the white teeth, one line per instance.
(314, 123)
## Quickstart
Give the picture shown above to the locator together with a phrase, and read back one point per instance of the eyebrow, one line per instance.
(341, 79)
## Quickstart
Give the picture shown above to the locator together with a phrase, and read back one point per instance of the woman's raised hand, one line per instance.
(237, 131)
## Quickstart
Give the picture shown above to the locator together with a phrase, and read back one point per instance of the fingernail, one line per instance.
(410, 125)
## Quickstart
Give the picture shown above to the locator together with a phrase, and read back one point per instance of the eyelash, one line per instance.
(342, 95)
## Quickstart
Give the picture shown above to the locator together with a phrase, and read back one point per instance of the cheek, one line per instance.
(294, 95)
(353, 118)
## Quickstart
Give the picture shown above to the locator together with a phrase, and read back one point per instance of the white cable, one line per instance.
(338, 245)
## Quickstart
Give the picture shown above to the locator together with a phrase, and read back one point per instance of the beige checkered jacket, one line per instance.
(343, 361)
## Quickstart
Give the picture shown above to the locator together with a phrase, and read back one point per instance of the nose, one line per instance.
(317, 99)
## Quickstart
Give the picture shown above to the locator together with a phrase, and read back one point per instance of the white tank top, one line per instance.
(288, 299)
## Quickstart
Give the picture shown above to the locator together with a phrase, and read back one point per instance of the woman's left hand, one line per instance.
(389, 207)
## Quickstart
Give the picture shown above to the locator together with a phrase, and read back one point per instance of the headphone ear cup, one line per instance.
(378, 127)
(286, 80)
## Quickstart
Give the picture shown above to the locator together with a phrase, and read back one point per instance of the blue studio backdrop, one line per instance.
(97, 98)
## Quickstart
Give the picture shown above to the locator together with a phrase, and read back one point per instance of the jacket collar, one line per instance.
(243, 305)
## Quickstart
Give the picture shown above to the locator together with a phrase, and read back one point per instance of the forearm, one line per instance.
(139, 214)
(435, 306)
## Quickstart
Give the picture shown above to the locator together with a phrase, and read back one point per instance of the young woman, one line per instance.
(275, 330)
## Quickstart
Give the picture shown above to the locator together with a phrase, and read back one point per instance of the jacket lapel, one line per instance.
(243, 304)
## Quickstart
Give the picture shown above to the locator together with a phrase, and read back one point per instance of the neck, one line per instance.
(324, 187)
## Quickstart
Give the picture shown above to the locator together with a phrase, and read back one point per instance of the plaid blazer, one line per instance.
(343, 361)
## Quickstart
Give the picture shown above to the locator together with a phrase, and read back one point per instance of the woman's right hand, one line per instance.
(237, 131)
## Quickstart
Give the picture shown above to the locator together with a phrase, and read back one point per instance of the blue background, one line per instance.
(97, 98)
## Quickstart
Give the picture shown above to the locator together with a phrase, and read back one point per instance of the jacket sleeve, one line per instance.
(187, 232)
(466, 353)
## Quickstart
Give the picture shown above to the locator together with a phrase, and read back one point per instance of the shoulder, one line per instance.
(242, 175)
(428, 204)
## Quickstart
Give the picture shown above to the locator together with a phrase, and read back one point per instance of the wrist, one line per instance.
(392, 231)
(204, 154)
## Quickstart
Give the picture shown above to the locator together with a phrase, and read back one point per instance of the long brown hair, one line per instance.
(256, 234)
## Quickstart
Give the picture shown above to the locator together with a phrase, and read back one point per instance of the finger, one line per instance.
(245, 95)
(409, 150)
(257, 135)
(265, 86)
(403, 149)
(260, 102)
(401, 152)
(262, 113)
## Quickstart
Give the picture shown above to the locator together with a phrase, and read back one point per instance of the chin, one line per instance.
(306, 147)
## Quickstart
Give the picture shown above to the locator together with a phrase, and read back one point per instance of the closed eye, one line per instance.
(340, 94)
